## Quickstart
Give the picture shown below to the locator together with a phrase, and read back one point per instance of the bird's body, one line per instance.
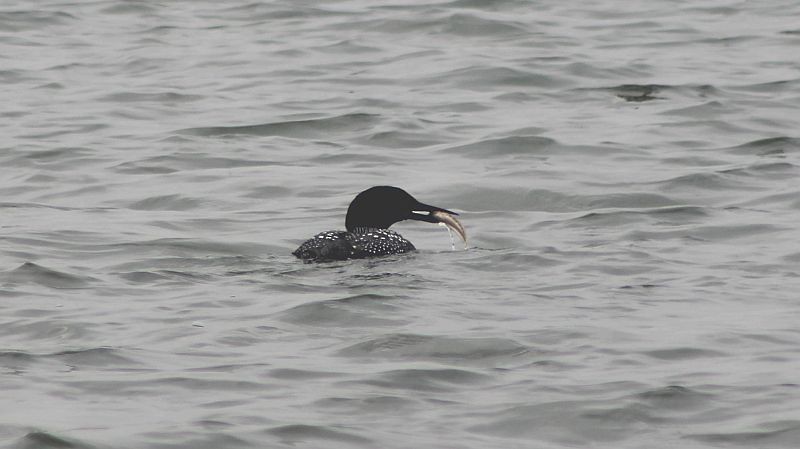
(341, 245)
(368, 218)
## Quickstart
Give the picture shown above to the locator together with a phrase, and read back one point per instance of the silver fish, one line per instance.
(451, 222)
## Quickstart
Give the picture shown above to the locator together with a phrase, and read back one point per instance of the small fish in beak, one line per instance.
(451, 222)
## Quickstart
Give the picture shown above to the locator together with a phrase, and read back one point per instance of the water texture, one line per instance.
(627, 173)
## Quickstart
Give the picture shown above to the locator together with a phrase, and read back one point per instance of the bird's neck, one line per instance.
(363, 229)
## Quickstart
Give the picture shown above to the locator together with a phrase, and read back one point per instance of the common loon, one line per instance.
(368, 219)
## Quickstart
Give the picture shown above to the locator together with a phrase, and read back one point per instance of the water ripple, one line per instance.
(36, 274)
(413, 346)
(313, 128)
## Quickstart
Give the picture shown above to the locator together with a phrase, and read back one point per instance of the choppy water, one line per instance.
(627, 172)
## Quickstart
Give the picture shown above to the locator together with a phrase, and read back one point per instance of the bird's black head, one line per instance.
(382, 206)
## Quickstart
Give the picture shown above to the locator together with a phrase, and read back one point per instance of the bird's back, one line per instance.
(342, 245)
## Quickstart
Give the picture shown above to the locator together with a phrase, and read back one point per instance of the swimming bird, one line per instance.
(369, 217)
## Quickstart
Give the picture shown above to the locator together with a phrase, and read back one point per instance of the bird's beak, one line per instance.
(424, 212)
(433, 214)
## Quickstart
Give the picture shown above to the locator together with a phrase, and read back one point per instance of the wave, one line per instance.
(311, 128)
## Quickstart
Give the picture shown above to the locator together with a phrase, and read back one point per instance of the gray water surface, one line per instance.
(627, 173)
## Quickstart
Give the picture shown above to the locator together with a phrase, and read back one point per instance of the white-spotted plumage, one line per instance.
(341, 245)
